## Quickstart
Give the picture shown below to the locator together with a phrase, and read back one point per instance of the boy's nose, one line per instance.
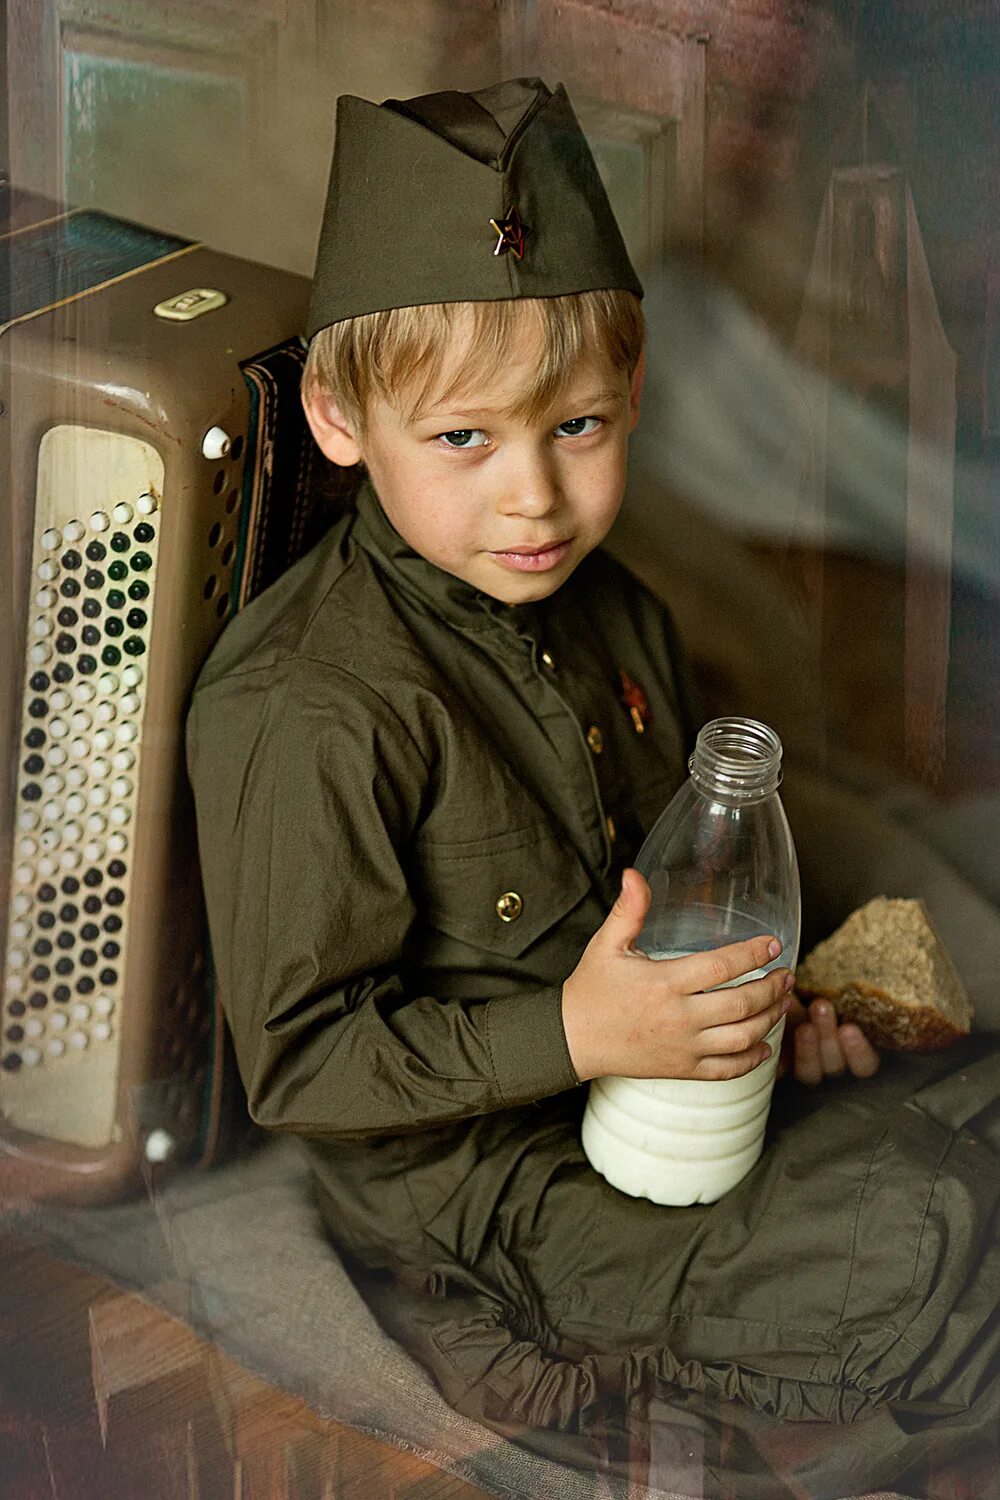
(531, 489)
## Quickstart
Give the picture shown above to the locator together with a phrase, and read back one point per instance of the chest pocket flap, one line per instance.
(501, 894)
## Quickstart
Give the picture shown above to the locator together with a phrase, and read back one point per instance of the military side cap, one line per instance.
(456, 197)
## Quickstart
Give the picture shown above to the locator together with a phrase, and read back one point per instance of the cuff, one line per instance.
(527, 1046)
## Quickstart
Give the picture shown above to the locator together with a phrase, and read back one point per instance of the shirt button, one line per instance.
(595, 739)
(609, 823)
(548, 661)
(509, 906)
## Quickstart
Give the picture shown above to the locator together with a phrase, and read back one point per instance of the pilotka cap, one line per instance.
(456, 197)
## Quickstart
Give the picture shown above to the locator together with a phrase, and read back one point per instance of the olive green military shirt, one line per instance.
(414, 806)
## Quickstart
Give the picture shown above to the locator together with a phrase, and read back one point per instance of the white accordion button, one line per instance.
(120, 814)
(39, 653)
(56, 755)
(78, 1039)
(99, 796)
(100, 768)
(96, 824)
(20, 929)
(127, 732)
(51, 838)
(27, 819)
(103, 1005)
(146, 505)
(53, 783)
(14, 984)
(117, 843)
(84, 692)
(51, 539)
(101, 1031)
(21, 904)
(132, 676)
(75, 803)
(72, 531)
(130, 703)
(99, 521)
(55, 1046)
(29, 848)
(17, 957)
(72, 833)
(80, 1011)
(76, 776)
(107, 683)
(58, 729)
(106, 712)
(30, 1056)
(58, 1021)
(121, 786)
(122, 512)
(42, 626)
(59, 700)
(33, 1027)
(48, 570)
(45, 598)
(81, 720)
(52, 812)
(24, 874)
(104, 739)
(123, 760)
(47, 866)
(93, 851)
(70, 859)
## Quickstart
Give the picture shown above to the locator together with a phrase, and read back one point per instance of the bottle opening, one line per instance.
(737, 759)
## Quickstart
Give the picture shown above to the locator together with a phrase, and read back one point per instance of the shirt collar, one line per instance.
(458, 602)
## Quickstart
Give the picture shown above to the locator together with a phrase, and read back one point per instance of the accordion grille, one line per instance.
(94, 575)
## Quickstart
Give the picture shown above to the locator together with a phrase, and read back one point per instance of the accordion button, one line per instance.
(33, 1027)
(130, 703)
(96, 824)
(47, 866)
(99, 521)
(60, 700)
(20, 929)
(117, 843)
(45, 598)
(84, 692)
(146, 505)
(72, 833)
(72, 531)
(93, 850)
(132, 676)
(21, 904)
(103, 1005)
(127, 732)
(123, 760)
(75, 803)
(100, 768)
(48, 570)
(81, 720)
(52, 812)
(108, 682)
(70, 859)
(40, 652)
(31, 1057)
(99, 796)
(78, 1039)
(121, 786)
(79, 746)
(106, 712)
(58, 729)
(17, 957)
(122, 512)
(103, 739)
(120, 814)
(14, 985)
(58, 1021)
(29, 848)
(53, 783)
(80, 1011)
(42, 626)
(101, 1031)
(55, 1046)
(51, 539)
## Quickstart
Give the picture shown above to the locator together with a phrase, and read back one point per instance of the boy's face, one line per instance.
(510, 505)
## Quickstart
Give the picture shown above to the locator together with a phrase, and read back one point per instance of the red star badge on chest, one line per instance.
(636, 702)
(510, 234)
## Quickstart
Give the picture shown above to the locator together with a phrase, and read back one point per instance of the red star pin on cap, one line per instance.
(510, 234)
(636, 702)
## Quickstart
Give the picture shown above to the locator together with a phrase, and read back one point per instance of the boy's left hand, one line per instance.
(815, 1047)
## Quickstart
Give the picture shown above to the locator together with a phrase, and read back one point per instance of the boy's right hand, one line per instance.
(629, 1015)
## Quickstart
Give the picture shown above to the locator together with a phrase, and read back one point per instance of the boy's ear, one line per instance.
(635, 396)
(333, 432)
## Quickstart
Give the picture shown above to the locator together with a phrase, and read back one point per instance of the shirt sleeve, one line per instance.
(308, 789)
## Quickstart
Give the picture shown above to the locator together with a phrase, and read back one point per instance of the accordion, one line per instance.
(158, 473)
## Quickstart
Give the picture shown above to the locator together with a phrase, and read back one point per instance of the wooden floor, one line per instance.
(105, 1398)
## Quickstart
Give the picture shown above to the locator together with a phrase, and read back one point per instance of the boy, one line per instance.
(422, 762)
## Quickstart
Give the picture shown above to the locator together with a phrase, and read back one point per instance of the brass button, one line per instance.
(595, 739)
(609, 823)
(509, 906)
(547, 660)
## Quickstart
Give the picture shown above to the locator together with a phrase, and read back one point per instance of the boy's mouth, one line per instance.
(532, 559)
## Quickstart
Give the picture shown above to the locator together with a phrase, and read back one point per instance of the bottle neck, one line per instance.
(737, 761)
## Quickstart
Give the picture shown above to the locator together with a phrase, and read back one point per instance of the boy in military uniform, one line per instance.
(423, 761)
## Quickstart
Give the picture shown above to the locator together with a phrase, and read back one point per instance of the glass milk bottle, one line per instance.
(721, 867)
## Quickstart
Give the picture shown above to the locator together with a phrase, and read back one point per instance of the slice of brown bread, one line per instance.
(886, 969)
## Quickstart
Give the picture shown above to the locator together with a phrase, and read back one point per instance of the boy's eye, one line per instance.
(464, 437)
(578, 426)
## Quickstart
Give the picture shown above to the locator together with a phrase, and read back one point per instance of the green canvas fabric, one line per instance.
(414, 185)
(378, 752)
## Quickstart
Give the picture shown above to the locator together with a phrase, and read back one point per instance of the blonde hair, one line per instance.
(398, 354)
